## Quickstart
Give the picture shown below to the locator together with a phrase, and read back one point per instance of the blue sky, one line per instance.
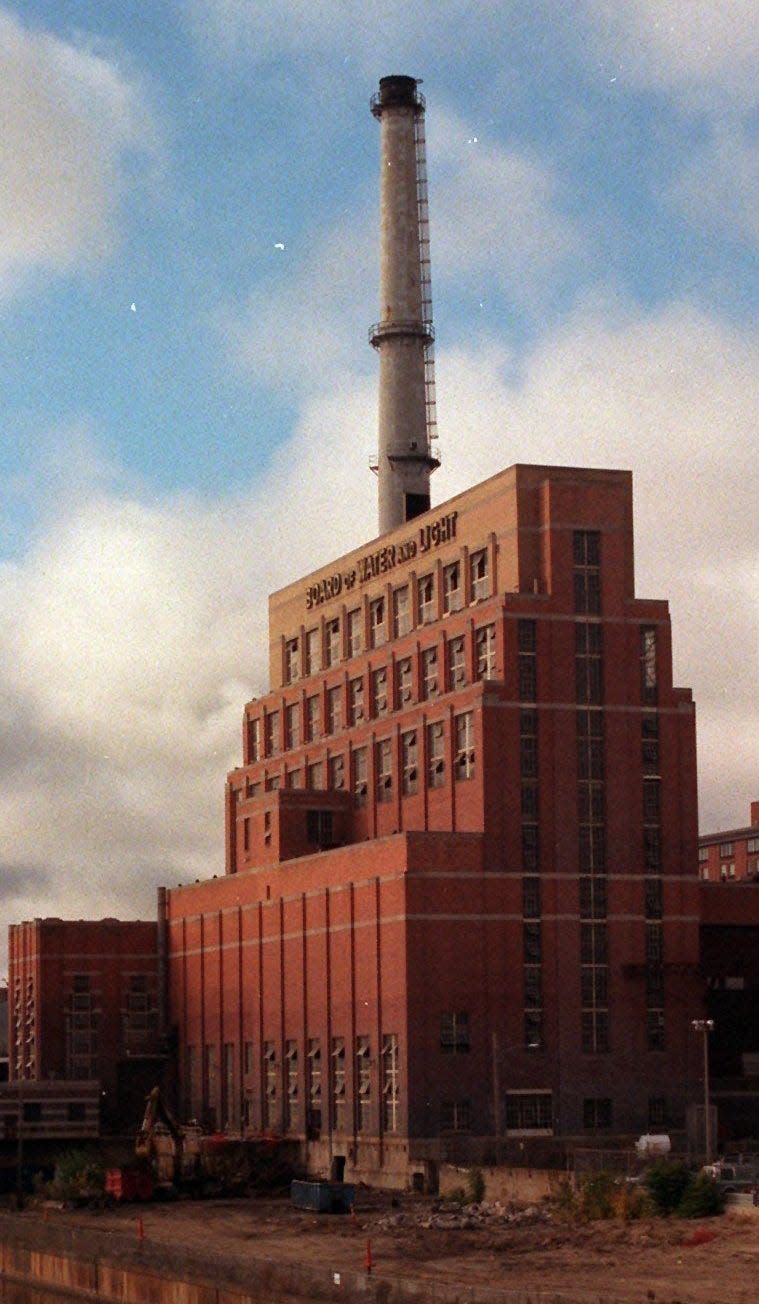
(188, 265)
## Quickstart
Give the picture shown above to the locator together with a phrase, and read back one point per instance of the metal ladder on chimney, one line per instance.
(426, 282)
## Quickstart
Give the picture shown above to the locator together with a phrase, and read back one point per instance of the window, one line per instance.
(452, 596)
(314, 776)
(338, 1084)
(484, 652)
(596, 1113)
(651, 800)
(456, 669)
(354, 632)
(356, 700)
(425, 591)
(291, 1103)
(228, 1093)
(653, 898)
(377, 622)
(479, 578)
(648, 664)
(454, 1032)
(463, 764)
(77, 1111)
(658, 1113)
(337, 773)
(588, 663)
(209, 1082)
(435, 755)
(403, 681)
(334, 709)
(270, 1084)
(331, 642)
(455, 1116)
(409, 762)
(292, 726)
(254, 740)
(248, 1057)
(752, 846)
(726, 849)
(650, 744)
(595, 1031)
(360, 775)
(526, 660)
(272, 733)
(587, 572)
(379, 691)
(312, 718)
(319, 828)
(652, 847)
(384, 770)
(401, 612)
(390, 1083)
(429, 672)
(533, 986)
(311, 652)
(363, 1084)
(532, 942)
(529, 1111)
(593, 897)
(529, 846)
(655, 1029)
(292, 660)
(314, 1069)
(531, 896)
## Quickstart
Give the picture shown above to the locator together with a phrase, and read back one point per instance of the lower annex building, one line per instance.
(459, 904)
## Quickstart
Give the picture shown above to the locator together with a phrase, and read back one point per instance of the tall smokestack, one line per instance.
(404, 334)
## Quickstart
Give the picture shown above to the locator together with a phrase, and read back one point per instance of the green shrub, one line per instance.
(475, 1185)
(666, 1182)
(702, 1198)
(597, 1195)
(78, 1176)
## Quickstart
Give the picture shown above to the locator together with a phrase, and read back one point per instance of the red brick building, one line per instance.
(732, 854)
(85, 1006)
(459, 902)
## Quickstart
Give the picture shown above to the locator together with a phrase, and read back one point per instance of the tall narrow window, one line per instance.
(403, 681)
(454, 1032)
(456, 667)
(384, 770)
(452, 595)
(334, 709)
(337, 773)
(587, 572)
(379, 691)
(292, 660)
(377, 633)
(425, 589)
(648, 680)
(312, 658)
(354, 631)
(429, 672)
(479, 578)
(484, 652)
(360, 775)
(314, 1070)
(464, 745)
(363, 1084)
(337, 1058)
(270, 1085)
(255, 749)
(292, 1112)
(314, 776)
(292, 726)
(435, 755)
(272, 733)
(312, 718)
(390, 1083)
(401, 612)
(331, 642)
(356, 700)
(409, 762)
(527, 660)
(588, 672)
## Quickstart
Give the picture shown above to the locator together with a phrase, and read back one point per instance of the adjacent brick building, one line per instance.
(459, 902)
(732, 854)
(85, 1006)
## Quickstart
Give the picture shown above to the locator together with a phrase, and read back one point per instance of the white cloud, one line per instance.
(66, 117)
(718, 188)
(497, 212)
(701, 50)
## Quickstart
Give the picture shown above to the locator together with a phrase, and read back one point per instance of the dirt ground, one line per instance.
(713, 1261)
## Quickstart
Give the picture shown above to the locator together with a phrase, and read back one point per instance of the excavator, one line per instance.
(171, 1149)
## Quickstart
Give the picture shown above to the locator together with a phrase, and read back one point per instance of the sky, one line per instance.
(188, 268)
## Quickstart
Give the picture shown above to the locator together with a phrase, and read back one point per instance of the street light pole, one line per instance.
(705, 1026)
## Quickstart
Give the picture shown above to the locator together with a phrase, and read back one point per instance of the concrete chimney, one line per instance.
(404, 335)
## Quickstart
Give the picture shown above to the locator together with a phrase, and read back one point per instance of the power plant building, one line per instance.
(460, 913)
